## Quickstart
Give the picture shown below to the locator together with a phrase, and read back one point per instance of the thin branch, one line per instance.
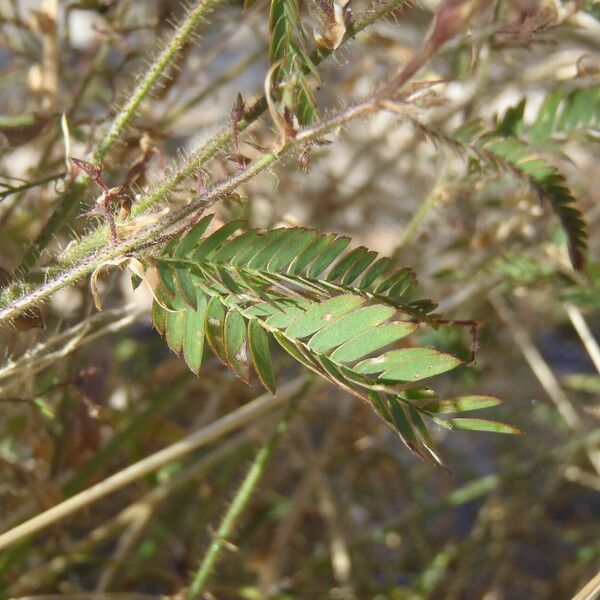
(590, 590)
(27, 186)
(38, 576)
(96, 239)
(242, 499)
(585, 334)
(90, 262)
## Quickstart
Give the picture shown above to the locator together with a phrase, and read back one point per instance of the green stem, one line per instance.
(418, 219)
(163, 60)
(27, 186)
(241, 500)
(67, 204)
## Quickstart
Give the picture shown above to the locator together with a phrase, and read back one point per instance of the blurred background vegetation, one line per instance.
(344, 511)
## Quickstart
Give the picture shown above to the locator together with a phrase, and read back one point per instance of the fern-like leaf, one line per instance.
(501, 152)
(339, 313)
(566, 111)
(287, 48)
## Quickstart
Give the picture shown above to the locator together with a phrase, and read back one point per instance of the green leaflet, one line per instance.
(261, 355)
(377, 269)
(234, 338)
(305, 258)
(193, 337)
(186, 285)
(292, 247)
(347, 264)
(369, 341)
(410, 364)
(175, 330)
(319, 316)
(342, 329)
(215, 324)
(159, 318)
(343, 322)
(462, 404)
(191, 238)
(483, 425)
(326, 257)
(214, 241)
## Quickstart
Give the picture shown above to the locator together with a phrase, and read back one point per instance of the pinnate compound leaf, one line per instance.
(500, 151)
(344, 322)
(293, 63)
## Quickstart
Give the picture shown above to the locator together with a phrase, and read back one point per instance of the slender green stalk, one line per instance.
(67, 203)
(27, 186)
(152, 77)
(222, 138)
(241, 500)
(418, 218)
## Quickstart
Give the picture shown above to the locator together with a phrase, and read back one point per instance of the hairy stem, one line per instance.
(163, 60)
(68, 202)
(92, 251)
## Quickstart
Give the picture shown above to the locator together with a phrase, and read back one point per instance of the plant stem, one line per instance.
(85, 256)
(585, 334)
(163, 60)
(419, 217)
(67, 203)
(241, 500)
(27, 186)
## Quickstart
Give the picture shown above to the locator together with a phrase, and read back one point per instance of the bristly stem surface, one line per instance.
(66, 204)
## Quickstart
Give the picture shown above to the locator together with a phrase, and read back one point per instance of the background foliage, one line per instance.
(477, 172)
